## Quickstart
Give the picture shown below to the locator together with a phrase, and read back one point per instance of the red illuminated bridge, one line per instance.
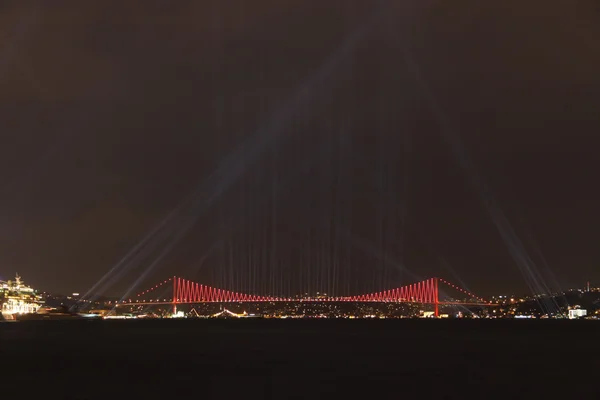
(424, 292)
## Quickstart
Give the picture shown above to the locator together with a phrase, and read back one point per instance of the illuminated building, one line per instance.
(577, 313)
(18, 298)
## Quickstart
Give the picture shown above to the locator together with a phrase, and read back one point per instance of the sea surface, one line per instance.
(300, 359)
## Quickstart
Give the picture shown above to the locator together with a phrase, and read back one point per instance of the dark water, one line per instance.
(297, 359)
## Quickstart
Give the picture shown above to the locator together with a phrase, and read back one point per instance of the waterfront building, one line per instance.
(18, 298)
(577, 313)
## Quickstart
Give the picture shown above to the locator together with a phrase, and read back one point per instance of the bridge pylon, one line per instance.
(436, 297)
(174, 295)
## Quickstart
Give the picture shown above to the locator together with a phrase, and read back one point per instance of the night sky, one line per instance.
(345, 146)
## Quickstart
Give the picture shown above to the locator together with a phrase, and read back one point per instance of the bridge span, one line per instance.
(188, 292)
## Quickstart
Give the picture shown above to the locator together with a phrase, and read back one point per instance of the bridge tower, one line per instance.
(174, 295)
(436, 297)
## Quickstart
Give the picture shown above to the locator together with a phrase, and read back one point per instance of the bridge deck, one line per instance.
(441, 303)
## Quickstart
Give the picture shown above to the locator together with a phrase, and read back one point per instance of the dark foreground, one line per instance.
(297, 359)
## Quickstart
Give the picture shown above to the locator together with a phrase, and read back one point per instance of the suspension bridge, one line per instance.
(187, 292)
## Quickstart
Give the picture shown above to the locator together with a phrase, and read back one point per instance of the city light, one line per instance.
(193, 300)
